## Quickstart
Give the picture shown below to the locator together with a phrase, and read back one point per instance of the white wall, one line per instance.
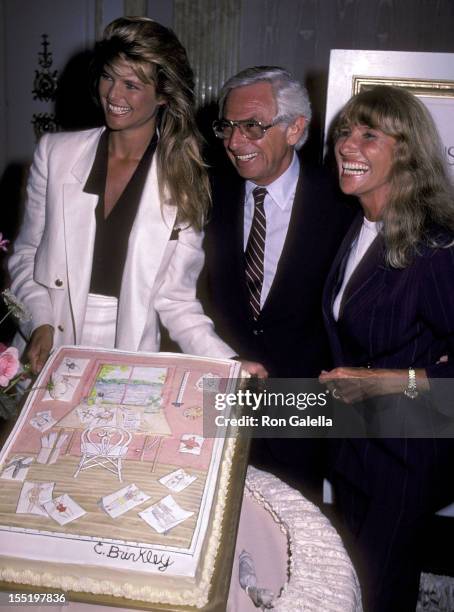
(72, 27)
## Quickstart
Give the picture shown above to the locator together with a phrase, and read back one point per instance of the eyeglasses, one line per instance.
(250, 128)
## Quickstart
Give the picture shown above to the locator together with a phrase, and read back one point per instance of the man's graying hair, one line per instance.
(291, 96)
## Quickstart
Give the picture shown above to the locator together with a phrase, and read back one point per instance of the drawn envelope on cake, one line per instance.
(16, 468)
(165, 515)
(61, 388)
(33, 496)
(42, 421)
(123, 500)
(208, 382)
(63, 509)
(178, 480)
(72, 366)
(104, 415)
(191, 443)
(129, 419)
(90, 416)
(85, 413)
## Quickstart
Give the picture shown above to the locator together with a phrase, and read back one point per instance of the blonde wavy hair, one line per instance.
(421, 203)
(157, 56)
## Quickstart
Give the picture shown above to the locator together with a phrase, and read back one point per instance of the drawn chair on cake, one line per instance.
(103, 446)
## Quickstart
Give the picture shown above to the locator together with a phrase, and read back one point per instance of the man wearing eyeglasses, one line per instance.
(273, 233)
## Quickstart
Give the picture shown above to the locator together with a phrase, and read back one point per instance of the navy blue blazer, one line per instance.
(394, 318)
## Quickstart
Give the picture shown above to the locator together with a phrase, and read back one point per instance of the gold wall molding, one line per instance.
(418, 87)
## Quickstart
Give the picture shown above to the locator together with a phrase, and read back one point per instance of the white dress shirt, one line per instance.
(278, 209)
(358, 249)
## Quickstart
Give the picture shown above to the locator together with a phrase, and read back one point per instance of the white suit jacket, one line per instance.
(52, 259)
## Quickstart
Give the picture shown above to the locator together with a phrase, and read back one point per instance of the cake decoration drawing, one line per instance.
(113, 474)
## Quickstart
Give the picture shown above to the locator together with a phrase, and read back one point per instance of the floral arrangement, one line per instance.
(3, 243)
(11, 370)
(9, 376)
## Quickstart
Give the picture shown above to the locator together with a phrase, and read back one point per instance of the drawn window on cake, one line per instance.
(129, 386)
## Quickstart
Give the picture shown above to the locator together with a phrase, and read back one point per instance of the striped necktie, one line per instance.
(255, 251)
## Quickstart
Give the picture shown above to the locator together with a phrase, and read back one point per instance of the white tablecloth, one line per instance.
(296, 552)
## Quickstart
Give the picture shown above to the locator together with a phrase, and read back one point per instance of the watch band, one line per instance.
(412, 390)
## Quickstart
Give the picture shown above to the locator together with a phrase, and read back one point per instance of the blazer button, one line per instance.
(61, 328)
(257, 332)
(58, 282)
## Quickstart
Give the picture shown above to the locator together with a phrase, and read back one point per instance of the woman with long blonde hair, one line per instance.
(112, 231)
(389, 313)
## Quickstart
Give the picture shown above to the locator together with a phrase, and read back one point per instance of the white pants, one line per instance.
(100, 323)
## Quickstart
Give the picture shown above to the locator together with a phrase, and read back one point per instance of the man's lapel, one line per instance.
(300, 243)
(232, 230)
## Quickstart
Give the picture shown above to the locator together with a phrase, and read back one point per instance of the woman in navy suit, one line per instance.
(389, 311)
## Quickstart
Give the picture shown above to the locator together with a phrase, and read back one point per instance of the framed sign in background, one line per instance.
(430, 76)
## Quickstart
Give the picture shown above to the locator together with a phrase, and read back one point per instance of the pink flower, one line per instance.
(9, 365)
(3, 243)
(3, 347)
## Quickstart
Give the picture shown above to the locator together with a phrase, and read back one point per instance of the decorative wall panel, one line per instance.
(135, 7)
(221, 36)
(45, 89)
(210, 31)
(106, 11)
(99, 19)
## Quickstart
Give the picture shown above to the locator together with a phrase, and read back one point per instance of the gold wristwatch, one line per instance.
(412, 390)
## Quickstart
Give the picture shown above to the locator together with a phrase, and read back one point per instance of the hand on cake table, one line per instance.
(253, 368)
(39, 347)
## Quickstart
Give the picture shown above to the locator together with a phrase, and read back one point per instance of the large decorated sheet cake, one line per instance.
(108, 485)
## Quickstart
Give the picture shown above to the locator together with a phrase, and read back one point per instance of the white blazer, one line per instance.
(52, 259)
